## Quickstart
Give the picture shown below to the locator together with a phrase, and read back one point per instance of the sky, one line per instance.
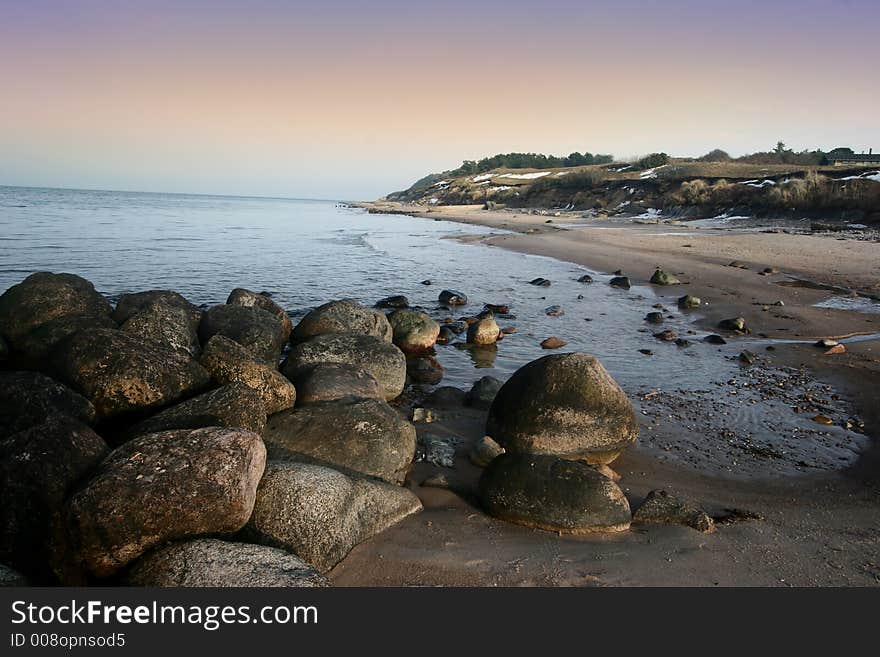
(352, 100)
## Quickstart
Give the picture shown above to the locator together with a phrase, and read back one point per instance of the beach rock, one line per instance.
(38, 466)
(483, 392)
(661, 507)
(424, 370)
(257, 329)
(234, 405)
(498, 308)
(212, 563)
(681, 342)
(445, 335)
(31, 351)
(566, 405)
(714, 339)
(646, 352)
(165, 323)
(747, 357)
(508, 330)
(437, 449)
(667, 336)
(243, 297)
(395, 301)
(342, 317)
(413, 331)
(427, 281)
(28, 399)
(44, 296)
(453, 298)
(738, 264)
(458, 327)
(161, 487)
(552, 343)
(484, 451)
(366, 436)
(130, 305)
(121, 374)
(229, 362)
(546, 492)
(445, 397)
(382, 360)
(689, 301)
(335, 382)
(622, 282)
(654, 318)
(10, 577)
(320, 514)
(660, 277)
(554, 311)
(586, 278)
(540, 282)
(484, 331)
(836, 349)
(737, 324)
(826, 343)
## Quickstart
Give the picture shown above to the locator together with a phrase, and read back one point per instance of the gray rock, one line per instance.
(382, 360)
(438, 450)
(366, 436)
(32, 351)
(234, 405)
(395, 301)
(45, 296)
(586, 278)
(424, 370)
(689, 301)
(243, 297)
(483, 392)
(661, 277)
(335, 382)
(661, 507)
(654, 318)
(453, 298)
(549, 493)
(212, 563)
(130, 305)
(737, 324)
(413, 331)
(166, 323)
(257, 329)
(38, 467)
(342, 317)
(229, 362)
(321, 514)
(28, 398)
(161, 487)
(566, 405)
(121, 374)
(621, 282)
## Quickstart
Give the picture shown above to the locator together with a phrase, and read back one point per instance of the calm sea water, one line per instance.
(308, 252)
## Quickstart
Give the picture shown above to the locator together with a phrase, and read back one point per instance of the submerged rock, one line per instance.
(550, 493)
(483, 392)
(737, 324)
(586, 278)
(257, 329)
(540, 282)
(382, 360)
(554, 311)
(452, 298)
(395, 301)
(121, 374)
(661, 507)
(366, 436)
(622, 282)
(424, 370)
(413, 331)
(320, 514)
(229, 362)
(566, 405)
(553, 343)
(243, 297)
(335, 382)
(212, 563)
(667, 336)
(233, 405)
(689, 301)
(344, 316)
(661, 277)
(161, 487)
(446, 397)
(714, 339)
(654, 318)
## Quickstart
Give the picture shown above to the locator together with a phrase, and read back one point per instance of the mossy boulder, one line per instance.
(546, 492)
(243, 297)
(257, 329)
(129, 305)
(413, 331)
(566, 405)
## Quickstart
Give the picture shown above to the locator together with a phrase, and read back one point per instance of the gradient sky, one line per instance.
(355, 99)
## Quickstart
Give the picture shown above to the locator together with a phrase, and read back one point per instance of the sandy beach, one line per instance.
(805, 529)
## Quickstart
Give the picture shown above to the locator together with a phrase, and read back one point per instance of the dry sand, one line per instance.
(809, 529)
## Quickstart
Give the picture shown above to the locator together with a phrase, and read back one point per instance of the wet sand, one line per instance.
(812, 527)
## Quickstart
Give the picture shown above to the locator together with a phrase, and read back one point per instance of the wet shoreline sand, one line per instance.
(815, 528)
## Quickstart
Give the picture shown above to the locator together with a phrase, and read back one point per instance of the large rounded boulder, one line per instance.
(165, 323)
(232, 405)
(566, 405)
(121, 374)
(382, 360)
(413, 331)
(228, 362)
(546, 492)
(243, 297)
(365, 436)
(129, 305)
(212, 563)
(335, 382)
(257, 329)
(28, 398)
(321, 514)
(344, 316)
(44, 296)
(31, 351)
(162, 487)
